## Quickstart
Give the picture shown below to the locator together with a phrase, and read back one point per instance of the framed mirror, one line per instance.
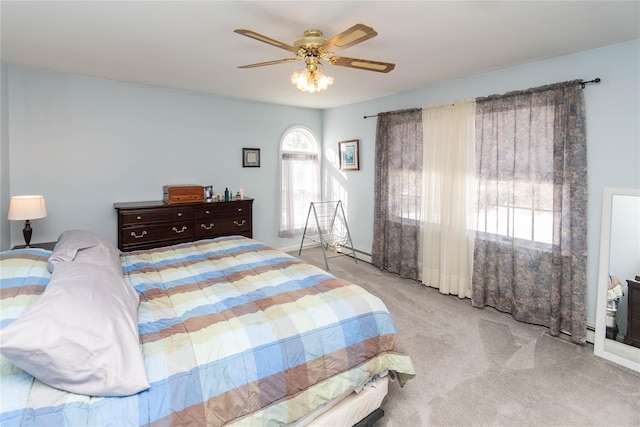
(619, 262)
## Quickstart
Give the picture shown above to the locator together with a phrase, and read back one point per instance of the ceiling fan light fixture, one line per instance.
(313, 47)
(311, 80)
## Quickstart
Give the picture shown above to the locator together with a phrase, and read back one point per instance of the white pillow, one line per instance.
(81, 335)
(85, 246)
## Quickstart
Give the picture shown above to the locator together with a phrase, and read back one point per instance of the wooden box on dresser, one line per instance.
(146, 225)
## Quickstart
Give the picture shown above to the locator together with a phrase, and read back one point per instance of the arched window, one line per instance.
(299, 179)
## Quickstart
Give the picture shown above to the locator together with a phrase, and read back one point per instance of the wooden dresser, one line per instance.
(633, 314)
(146, 225)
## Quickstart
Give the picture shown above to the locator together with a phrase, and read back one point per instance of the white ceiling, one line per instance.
(191, 45)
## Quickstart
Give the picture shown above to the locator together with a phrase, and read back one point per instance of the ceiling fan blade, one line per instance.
(265, 39)
(362, 64)
(354, 35)
(277, 61)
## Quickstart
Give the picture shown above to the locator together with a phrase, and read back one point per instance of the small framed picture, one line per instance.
(349, 155)
(250, 157)
(208, 193)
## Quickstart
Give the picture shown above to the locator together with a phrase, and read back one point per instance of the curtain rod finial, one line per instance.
(596, 80)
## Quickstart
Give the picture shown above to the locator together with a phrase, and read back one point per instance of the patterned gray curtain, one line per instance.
(398, 192)
(531, 248)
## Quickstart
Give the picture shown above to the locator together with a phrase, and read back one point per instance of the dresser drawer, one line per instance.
(153, 224)
(156, 215)
(138, 234)
(240, 224)
(223, 209)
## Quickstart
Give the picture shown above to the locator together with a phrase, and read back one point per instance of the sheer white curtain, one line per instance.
(448, 208)
(300, 185)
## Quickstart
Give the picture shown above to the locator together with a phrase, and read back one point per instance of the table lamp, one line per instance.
(27, 208)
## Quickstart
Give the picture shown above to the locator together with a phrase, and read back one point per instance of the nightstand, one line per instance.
(45, 245)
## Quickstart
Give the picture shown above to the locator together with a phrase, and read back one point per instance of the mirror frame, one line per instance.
(614, 351)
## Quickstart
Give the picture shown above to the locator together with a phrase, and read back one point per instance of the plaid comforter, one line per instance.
(233, 333)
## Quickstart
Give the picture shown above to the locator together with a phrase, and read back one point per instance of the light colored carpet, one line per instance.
(479, 367)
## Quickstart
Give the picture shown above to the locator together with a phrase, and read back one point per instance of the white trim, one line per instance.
(611, 350)
(303, 129)
(360, 255)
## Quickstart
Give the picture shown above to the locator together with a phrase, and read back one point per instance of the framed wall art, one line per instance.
(251, 157)
(349, 155)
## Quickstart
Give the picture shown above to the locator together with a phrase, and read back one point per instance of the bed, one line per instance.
(227, 331)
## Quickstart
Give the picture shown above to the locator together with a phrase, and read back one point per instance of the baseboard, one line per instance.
(591, 334)
(360, 255)
(295, 248)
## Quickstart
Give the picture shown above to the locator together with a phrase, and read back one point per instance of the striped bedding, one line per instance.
(233, 333)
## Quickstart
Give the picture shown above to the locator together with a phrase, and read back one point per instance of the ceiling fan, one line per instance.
(313, 47)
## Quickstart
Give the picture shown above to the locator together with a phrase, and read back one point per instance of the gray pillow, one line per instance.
(85, 246)
(81, 335)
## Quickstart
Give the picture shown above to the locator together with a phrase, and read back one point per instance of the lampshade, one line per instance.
(27, 207)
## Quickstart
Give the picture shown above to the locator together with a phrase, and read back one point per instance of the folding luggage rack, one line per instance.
(329, 228)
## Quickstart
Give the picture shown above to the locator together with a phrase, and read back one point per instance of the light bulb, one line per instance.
(311, 82)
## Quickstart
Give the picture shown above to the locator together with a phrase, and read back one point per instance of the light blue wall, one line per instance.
(86, 143)
(4, 155)
(613, 132)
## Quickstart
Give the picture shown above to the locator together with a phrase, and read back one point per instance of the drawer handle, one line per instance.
(240, 224)
(179, 213)
(239, 209)
(184, 228)
(133, 234)
(207, 228)
(207, 212)
(138, 217)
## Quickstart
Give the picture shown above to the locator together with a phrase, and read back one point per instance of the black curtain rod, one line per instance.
(596, 80)
(581, 83)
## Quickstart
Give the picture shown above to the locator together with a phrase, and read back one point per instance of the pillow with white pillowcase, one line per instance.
(81, 335)
(85, 246)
